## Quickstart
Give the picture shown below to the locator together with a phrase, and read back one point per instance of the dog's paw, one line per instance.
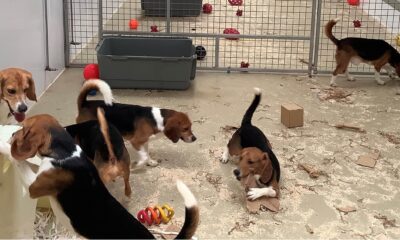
(380, 82)
(351, 78)
(255, 193)
(225, 156)
(333, 84)
(152, 163)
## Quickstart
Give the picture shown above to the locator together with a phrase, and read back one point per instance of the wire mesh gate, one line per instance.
(275, 35)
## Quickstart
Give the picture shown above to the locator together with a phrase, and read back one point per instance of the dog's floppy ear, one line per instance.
(267, 169)
(172, 130)
(31, 93)
(23, 145)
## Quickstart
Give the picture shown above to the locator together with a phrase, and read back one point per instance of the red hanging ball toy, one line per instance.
(133, 24)
(353, 2)
(231, 31)
(244, 65)
(239, 12)
(357, 23)
(154, 28)
(91, 71)
(207, 8)
(235, 2)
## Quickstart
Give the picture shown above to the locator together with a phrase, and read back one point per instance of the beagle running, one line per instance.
(16, 85)
(256, 156)
(375, 52)
(136, 123)
(104, 145)
(77, 195)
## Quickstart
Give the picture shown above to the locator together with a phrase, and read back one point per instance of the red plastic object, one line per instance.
(143, 217)
(154, 28)
(207, 8)
(357, 23)
(235, 2)
(239, 12)
(91, 71)
(353, 2)
(133, 24)
(231, 31)
(244, 65)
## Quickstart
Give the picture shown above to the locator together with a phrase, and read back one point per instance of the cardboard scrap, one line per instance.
(310, 169)
(253, 206)
(346, 209)
(386, 222)
(368, 160)
(309, 229)
(350, 128)
(170, 232)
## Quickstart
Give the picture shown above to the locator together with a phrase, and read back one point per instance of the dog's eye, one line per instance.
(250, 162)
(11, 91)
(186, 129)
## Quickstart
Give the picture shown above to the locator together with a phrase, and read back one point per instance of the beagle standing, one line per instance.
(256, 156)
(136, 123)
(104, 145)
(77, 195)
(375, 52)
(16, 85)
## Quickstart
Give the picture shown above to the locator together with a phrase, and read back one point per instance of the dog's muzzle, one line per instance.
(236, 172)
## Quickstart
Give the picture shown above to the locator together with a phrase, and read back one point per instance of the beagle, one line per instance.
(136, 123)
(78, 196)
(255, 155)
(375, 52)
(104, 145)
(16, 85)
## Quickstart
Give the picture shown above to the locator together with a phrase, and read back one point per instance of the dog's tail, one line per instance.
(106, 134)
(328, 30)
(253, 106)
(192, 213)
(95, 84)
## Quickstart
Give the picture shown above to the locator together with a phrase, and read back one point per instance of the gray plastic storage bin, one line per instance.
(179, 8)
(147, 62)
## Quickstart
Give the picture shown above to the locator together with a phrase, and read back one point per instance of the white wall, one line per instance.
(22, 38)
(384, 13)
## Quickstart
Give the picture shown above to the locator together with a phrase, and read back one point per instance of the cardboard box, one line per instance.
(292, 115)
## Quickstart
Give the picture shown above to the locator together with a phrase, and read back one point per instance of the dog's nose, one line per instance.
(22, 108)
(194, 138)
(236, 172)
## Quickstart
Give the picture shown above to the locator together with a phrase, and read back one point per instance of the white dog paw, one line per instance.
(255, 193)
(333, 84)
(380, 81)
(225, 156)
(152, 163)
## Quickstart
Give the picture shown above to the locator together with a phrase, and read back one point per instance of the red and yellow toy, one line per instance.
(156, 215)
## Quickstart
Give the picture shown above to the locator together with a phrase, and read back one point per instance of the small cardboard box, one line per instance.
(292, 115)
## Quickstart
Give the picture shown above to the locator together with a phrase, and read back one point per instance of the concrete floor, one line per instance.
(307, 205)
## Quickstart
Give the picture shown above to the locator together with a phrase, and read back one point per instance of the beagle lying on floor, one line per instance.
(375, 52)
(136, 123)
(77, 195)
(256, 155)
(104, 145)
(16, 85)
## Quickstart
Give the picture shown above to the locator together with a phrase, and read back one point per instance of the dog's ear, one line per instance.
(24, 145)
(31, 93)
(172, 130)
(267, 169)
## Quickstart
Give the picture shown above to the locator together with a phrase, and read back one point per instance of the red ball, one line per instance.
(353, 2)
(133, 24)
(235, 2)
(357, 23)
(91, 71)
(207, 8)
(231, 31)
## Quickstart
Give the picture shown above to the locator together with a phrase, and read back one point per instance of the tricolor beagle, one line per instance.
(136, 123)
(78, 196)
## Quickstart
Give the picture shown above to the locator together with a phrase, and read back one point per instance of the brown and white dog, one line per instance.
(375, 52)
(16, 86)
(104, 145)
(136, 123)
(256, 156)
(78, 197)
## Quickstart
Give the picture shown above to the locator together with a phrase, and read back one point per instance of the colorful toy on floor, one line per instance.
(91, 71)
(235, 2)
(133, 24)
(239, 12)
(231, 31)
(156, 215)
(357, 23)
(207, 8)
(201, 52)
(153, 28)
(353, 2)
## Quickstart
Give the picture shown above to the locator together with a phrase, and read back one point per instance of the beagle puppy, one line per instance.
(17, 85)
(136, 123)
(375, 52)
(104, 145)
(77, 195)
(255, 155)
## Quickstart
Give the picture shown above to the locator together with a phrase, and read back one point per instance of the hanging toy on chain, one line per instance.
(235, 2)
(153, 28)
(156, 215)
(244, 64)
(353, 2)
(239, 12)
(398, 40)
(201, 52)
(357, 23)
(231, 31)
(207, 8)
